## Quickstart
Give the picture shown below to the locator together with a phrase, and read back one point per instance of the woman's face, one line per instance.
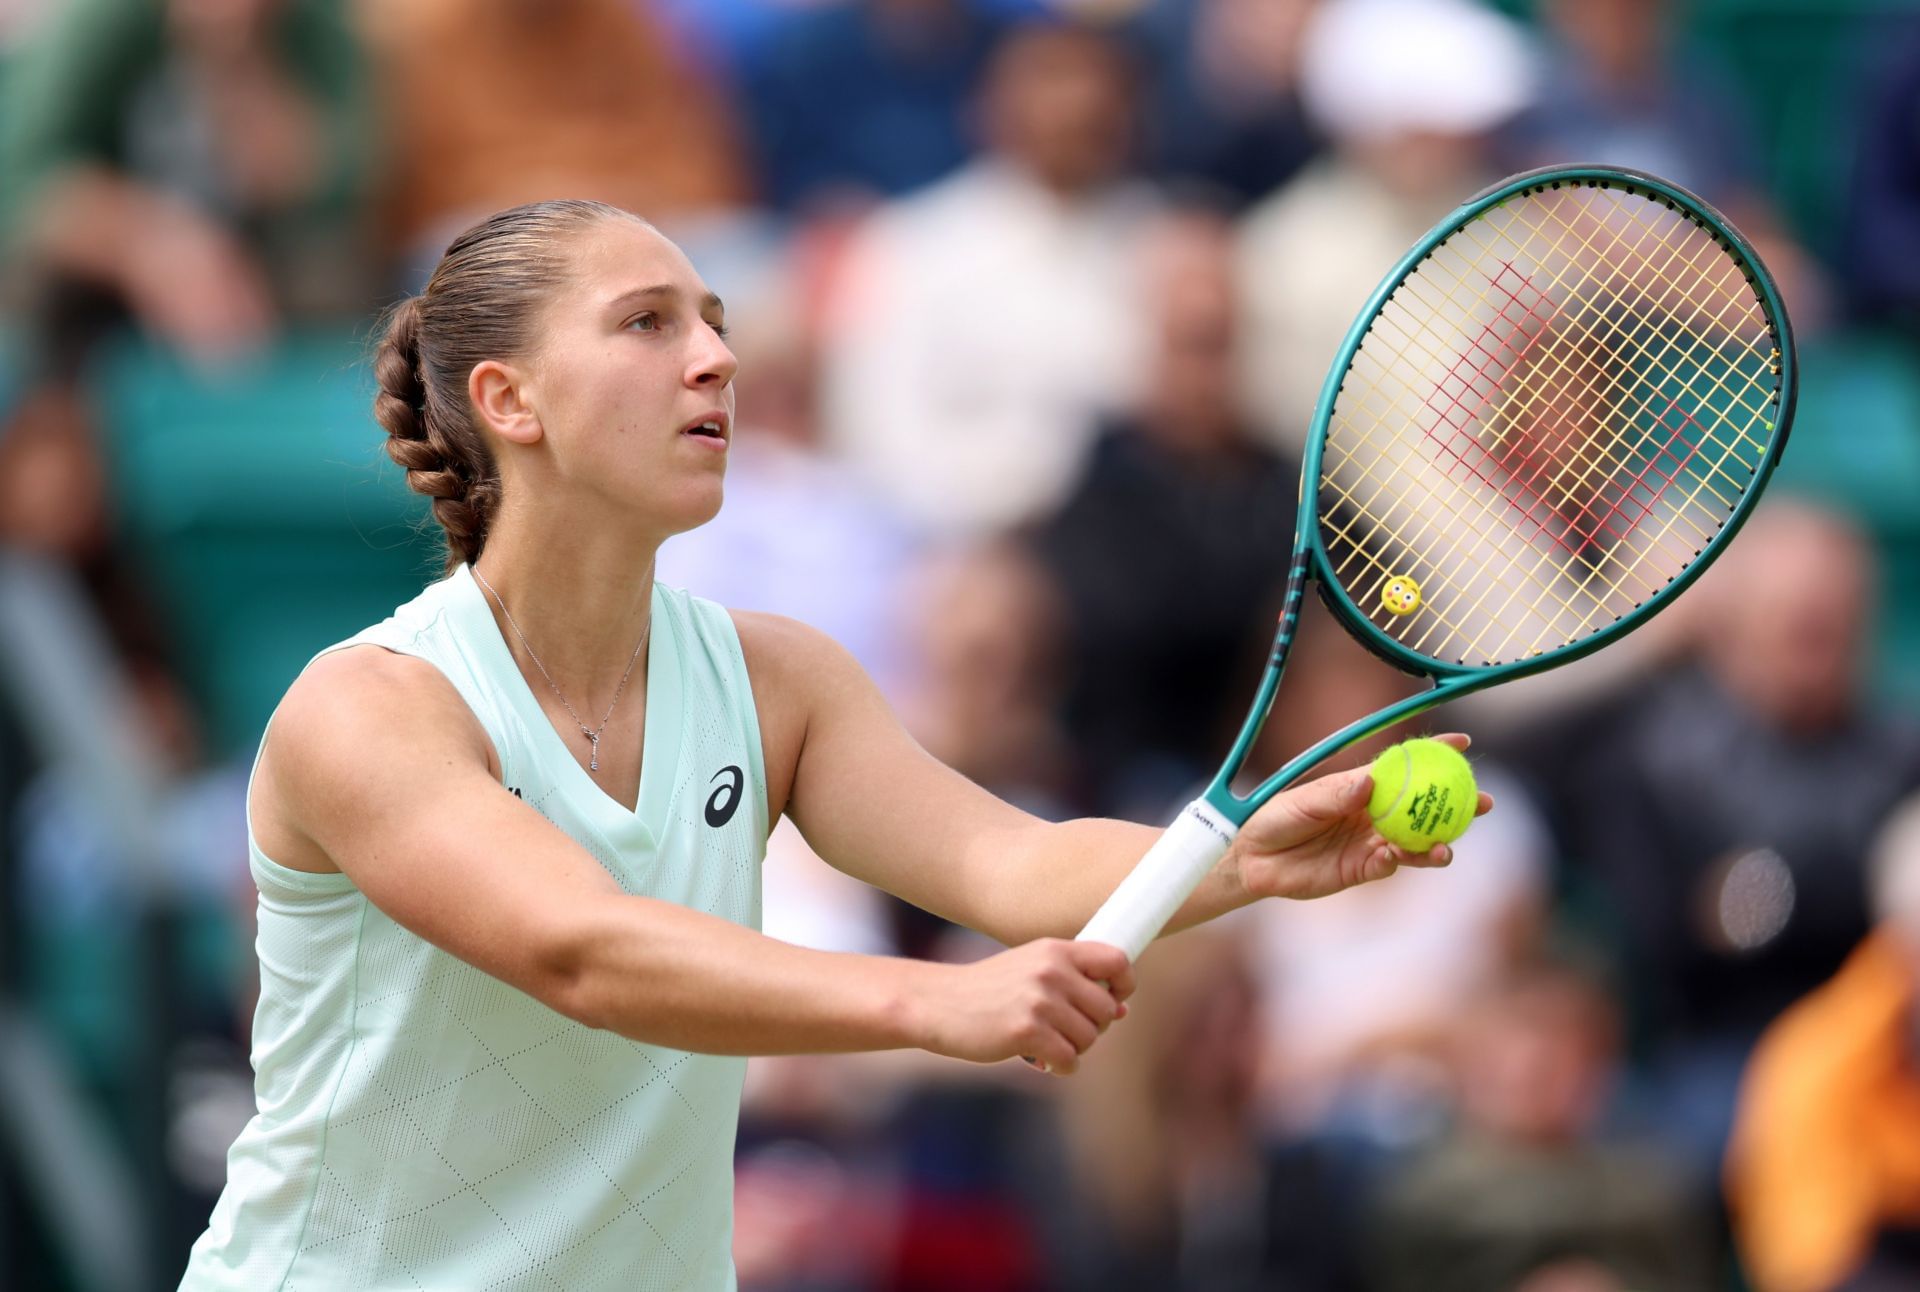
(633, 383)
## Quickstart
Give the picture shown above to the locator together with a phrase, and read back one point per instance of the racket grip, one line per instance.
(1162, 880)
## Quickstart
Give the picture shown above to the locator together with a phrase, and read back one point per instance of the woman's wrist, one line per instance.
(906, 1014)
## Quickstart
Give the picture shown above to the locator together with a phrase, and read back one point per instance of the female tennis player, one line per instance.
(508, 841)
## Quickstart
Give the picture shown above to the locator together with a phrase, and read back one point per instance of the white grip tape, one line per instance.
(1162, 880)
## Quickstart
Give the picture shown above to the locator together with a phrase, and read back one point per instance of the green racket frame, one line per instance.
(1450, 681)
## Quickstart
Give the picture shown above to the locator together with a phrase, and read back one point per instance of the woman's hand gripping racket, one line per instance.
(1551, 415)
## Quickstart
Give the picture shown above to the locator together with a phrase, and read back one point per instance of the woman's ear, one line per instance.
(498, 394)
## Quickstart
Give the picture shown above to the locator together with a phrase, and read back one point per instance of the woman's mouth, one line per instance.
(710, 430)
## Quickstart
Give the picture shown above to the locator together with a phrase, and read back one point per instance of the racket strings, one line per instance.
(1551, 418)
(1666, 365)
(1718, 286)
(1673, 422)
(1527, 483)
(1630, 499)
(1539, 589)
(1407, 483)
(1588, 381)
(1610, 346)
(1589, 464)
(1538, 584)
(1412, 341)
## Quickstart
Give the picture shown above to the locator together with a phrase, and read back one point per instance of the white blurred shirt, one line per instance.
(799, 536)
(1309, 257)
(981, 327)
(1347, 976)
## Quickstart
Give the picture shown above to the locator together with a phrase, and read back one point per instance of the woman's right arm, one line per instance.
(375, 760)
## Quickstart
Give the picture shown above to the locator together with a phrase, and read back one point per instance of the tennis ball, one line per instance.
(1423, 794)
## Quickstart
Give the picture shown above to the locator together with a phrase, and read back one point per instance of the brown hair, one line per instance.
(479, 304)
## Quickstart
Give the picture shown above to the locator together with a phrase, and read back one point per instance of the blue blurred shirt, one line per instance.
(843, 100)
(1684, 122)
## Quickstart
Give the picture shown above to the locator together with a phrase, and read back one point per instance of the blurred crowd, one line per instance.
(1033, 302)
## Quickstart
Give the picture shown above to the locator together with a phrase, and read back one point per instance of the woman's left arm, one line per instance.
(877, 806)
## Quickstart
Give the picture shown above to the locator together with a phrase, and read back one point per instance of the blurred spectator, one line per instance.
(1173, 1184)
(1824, 1171)
(1229, 112)
(53, 480)
(1617, 91)
(1170, 551)
(17, 18)
(83, 951)
(1521, 1196)
(75, 880)
(491, 103)
(1882, 244)
(741, 30)
(199, 163)
(1720, 812)
(1366, 985)
(731, 30)
(799, 534)
(986, 645)
(861, 99)
(983, 323)
(983, 697)
(898, 1171)
(1409, 91)
(805, 1218)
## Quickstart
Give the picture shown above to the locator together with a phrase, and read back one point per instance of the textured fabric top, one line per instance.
(423, 1125)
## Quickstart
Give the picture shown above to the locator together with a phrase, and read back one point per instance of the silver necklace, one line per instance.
(592, 735)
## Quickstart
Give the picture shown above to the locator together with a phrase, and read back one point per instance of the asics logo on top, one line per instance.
(724, 800)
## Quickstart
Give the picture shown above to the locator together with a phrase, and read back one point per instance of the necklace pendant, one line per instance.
(593, 764)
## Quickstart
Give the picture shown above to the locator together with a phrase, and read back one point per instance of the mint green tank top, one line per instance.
(423, 1125)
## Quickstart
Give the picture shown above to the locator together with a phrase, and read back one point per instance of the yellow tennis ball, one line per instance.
(1423, 794)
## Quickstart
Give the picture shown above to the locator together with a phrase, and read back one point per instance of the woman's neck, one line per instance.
(581, 594)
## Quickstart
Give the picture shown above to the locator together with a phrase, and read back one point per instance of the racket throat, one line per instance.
(1163, 880)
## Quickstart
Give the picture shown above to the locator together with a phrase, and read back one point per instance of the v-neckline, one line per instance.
(658, 757)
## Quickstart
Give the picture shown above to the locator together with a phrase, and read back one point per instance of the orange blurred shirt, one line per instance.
(1826, 1148)
(491, 103)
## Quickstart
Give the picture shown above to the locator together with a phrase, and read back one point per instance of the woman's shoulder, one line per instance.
(770, 642)
(359, 715)
(799, 676)
(365, 699)
(778, 646)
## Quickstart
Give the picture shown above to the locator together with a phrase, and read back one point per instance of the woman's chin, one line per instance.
(695, 504)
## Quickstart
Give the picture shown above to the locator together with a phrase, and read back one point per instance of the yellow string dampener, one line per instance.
(1400, 595)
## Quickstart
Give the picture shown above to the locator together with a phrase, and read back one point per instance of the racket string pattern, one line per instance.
(1548, 420)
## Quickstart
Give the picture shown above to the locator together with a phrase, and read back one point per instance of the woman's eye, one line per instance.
(646, 323)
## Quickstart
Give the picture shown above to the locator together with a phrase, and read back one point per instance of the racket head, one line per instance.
(1548, 419)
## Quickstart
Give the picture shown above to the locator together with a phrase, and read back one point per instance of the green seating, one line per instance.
(1856, 446)
(1802, 64)
(1856, 439)
(261, 504)
(1798, 65)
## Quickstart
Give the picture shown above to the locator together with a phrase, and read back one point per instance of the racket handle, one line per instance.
(1162, 880)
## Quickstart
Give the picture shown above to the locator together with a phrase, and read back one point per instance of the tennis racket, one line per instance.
(1554, 412)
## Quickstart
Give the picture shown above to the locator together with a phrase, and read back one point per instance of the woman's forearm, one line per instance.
(1053, 877)
(660, 973)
